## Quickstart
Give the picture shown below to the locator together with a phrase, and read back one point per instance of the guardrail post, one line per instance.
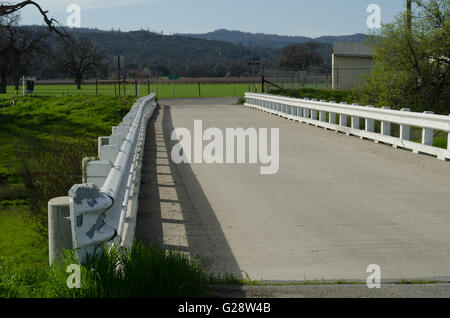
(322, 114)
(427, 134)
(306, 113)
(332, 116)
(84, 164)
(405, 130)
(59, 228)
(355, 120)
(313, 111)
(343, 119)
(97, 172)
(385, 125)
(369, 123)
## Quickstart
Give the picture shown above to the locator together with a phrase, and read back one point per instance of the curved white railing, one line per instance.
(333, 116)
(99, 208)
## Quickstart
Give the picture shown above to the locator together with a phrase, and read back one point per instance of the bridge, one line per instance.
(338, 203)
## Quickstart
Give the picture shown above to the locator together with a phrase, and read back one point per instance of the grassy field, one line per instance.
(33, 130)
(162, 90)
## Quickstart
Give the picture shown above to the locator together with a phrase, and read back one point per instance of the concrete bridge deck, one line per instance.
(337, 204)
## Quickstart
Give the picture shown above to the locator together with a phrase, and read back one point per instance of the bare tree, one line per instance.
(8, 9)
(78, 57)
(19, 48)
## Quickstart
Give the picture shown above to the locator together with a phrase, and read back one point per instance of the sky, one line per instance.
(311, 18)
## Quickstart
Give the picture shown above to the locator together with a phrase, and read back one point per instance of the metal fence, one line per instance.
(295, 79)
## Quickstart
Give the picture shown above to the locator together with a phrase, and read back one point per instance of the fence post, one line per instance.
(332, 116)
(405, 130)
(343, 119)
(313, 111)
(427, 134)
(355, 120)
(306, 112)
(385, 126)
(370, 123)
(322, 114)
(59, 228)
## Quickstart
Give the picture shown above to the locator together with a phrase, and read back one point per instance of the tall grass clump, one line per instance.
(141, 272)
(50, 170)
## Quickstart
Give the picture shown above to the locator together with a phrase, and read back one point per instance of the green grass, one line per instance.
(142, 272)
(37, 120)
(34, 123)
(21, 245)
(162, 90)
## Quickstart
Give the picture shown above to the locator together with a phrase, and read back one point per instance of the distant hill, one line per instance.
(270, 40)
(214, 54)
(154, 53)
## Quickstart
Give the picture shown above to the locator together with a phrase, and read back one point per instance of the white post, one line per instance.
(59, 228)
(355, 120)
(370, 123)
(332, 116)
(23, 85)
(343, 118)
(306, 113)
(385, 125)
(405, 130)
(427, 134)
(322, 114)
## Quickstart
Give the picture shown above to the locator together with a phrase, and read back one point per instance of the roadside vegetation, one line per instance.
(412, 60)
(43, 140)
(42, 143)
(142, 272)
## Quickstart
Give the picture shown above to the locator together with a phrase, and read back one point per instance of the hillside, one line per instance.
(214, 54)
(155, 54)
(269, 40)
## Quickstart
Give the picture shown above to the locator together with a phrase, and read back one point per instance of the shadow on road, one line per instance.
(174, 213)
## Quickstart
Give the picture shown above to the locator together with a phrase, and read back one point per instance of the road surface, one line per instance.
(336, 205)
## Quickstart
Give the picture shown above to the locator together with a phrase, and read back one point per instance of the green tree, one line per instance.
(300, 56)
(412, 57)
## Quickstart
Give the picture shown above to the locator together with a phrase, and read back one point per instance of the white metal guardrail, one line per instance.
(99, 208)
(333, 116)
